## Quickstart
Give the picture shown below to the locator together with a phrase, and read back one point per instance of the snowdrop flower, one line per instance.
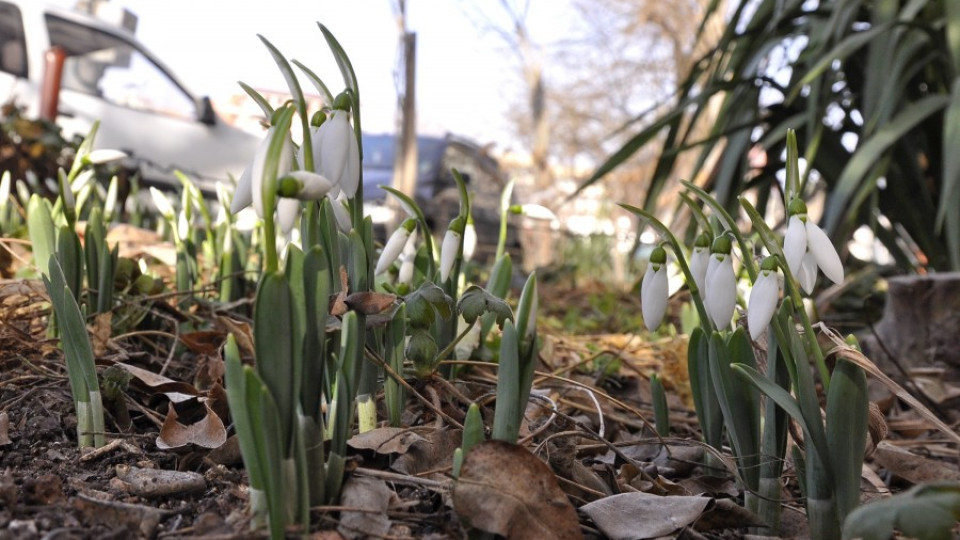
(104, 155)
(336, 153)
(699, 259)
(395, 245)
(805, 238)
(450, 248)
(721, 284)
(340, 214)
(653, 290)
(250, 187)
(407, 261)
(469, 240)
(763, 298)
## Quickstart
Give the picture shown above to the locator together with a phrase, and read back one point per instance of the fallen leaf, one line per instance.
(100, 332)
(176, 391)
(385, 440)
(369, 303)
(913, 468)
(136, 518)
(431, 454)
(4, 428)
(371, 499)
(489, 495)
(206, 342)
(727, 514)
(636, 515)
(207, 432)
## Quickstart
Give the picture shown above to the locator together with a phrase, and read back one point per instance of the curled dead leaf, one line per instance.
(207, 432)
(385, 440)
(488, 495)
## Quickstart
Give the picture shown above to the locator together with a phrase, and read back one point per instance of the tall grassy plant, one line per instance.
(873, 91)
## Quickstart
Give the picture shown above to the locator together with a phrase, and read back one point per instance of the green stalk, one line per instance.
(393, 390)
(661, 413)
(269, 187)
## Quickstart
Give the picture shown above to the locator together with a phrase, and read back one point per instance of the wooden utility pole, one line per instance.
(405, 158)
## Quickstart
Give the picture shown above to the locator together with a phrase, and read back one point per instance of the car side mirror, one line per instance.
(206, 114)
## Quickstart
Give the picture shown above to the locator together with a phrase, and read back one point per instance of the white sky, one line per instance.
(465, 78)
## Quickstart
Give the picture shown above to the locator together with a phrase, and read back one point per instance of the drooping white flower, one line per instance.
(804, 238)
(469, 241)
(340, 214)
(763, 299)
(103, 155)
(699, 259)
(654, 291)
(336, 153)
(450, 248)
(407, 267)
(250, 186)
(721, 285)
(395, 245)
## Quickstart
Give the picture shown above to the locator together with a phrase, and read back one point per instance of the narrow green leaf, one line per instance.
(317, 82)
(273, 337)
(259, 100)
(509, 412)
(847, 403)
(40, 226)
(473, 432)
(950, 190)
(870, 152)
(741, 414)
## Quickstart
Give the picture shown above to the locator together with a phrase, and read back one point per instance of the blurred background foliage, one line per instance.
(872, 88)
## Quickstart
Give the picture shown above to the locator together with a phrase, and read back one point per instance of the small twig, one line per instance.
(435, 485)
(396, 376)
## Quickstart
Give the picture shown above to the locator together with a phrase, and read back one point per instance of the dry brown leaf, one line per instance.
(434, 453)
(203, 341)
(4, 428)
(846, 352)
(371, 499)
(100, 332)
(177, 391)
(241, 331)
(207, 432)
(369, 303)
(385, 440)
(635, 515)
(727, 514)
(913, 468)
(490, 495)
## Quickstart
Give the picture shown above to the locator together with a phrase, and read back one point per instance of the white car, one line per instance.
(143, 108)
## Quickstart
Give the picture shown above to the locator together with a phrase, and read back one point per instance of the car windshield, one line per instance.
(378, 152)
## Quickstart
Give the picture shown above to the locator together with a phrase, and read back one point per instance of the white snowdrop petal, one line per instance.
(243, 196)
(763, 303)
(721, 294)
(288, 212)
(808, 273)
(699, 260)
(104, 155)
(653, 296)
(340, 213)
(313, 186)
(819, 244)
(392, 249)
(795, 244)
(448, 253)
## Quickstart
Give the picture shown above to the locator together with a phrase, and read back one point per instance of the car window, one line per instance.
(106, 66)
(13, 53)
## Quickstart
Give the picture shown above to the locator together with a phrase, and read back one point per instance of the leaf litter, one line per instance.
(588, 463)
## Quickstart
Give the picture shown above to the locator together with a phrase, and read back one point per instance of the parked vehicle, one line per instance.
(143, 108)
(436, 191)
